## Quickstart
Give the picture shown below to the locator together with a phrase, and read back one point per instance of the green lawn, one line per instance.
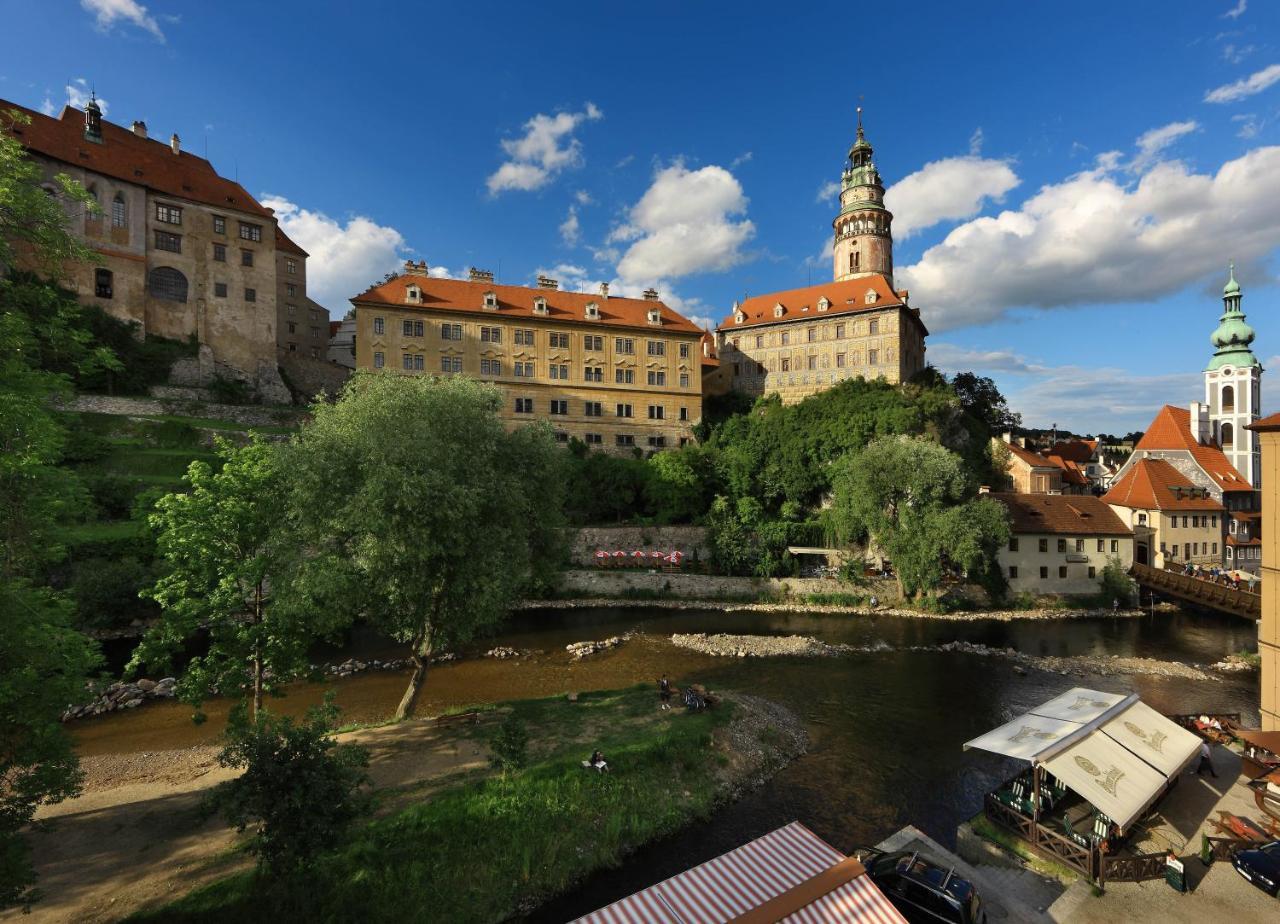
(480, 851)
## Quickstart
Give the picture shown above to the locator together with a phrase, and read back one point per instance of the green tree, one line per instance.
(914, 499)
(421, 512)
(43, 665)
(300, 789)
(677, 484)
(231, 556)
(980, 397)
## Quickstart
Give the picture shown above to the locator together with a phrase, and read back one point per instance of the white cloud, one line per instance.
(686, 222)
(582, 197)
(625, 161)
(344, 259)
(545, 149)
(741, 159)
(47, 106)
(1235, 54)
(570, 229)
(951, 358)
(1236, 11)
(79, 93)
(1245, 87)
(109, 12)
(827, 191)
(1152, 143)
(1096, 238)
(975, 142)
(1250, 125)
(946, 190)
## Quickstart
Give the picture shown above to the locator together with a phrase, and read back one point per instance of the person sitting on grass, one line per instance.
(597, 762)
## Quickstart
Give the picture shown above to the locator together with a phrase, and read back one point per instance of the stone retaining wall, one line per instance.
(308, 376)
(250, 416)
(691, 540)
(606, 583)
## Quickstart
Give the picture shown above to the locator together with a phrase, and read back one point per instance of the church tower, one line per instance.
(863, 239)
(1233, 387)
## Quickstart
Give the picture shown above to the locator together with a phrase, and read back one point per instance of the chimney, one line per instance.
(422, 268)
(479, 275)
(140, 128)
(546, 282)
(1200, 422)
(604, 290)
(409, 266)
(1007, 436)
(175, 144)
(651, 295)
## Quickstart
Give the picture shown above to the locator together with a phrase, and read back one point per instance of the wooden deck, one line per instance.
(1198, 592)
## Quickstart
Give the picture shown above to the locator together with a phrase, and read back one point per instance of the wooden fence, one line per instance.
(1049, 843)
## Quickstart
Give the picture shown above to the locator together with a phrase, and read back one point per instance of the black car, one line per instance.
(1261, 866)
(921, 890)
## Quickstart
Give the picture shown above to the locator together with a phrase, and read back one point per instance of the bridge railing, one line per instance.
(1195, 590)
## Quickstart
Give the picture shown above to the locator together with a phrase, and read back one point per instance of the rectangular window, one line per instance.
(378, 360)
(411, 362)
(293, 328)
(657, 348)
(684, 351)
(524, 338)
(169, 214)
(1215, 548)
(684, 380)
(450, 363)
(684, 413)
(656, 412)
(1115, 545)
(291, 266)
(624, 410)
(624, 346)
(246, 258)
(839, 331)
(1102, 545)
(657, 378)
(413, 328)
(624, 376)
(561, 437)
(291, 290)
(1013, 544)
(523, 370)
(594, 439)
(220, 253)
(657, 442)
(219, 225)
(1093, 572)
(559, 371)
(169, 242)
(1044, 545)
(786, 338)
(873, 357)
(1062, 572)
(624, 439)
(1013, 571)
(759, 341)
(873, 327)
(1062, 545)
(491, 367)
(450, 331)
(558, 341)
(559, 407)
(812, 334)
(220, 289)
(1079, 545)
(592, 409)
(491, 335)
(593, 374)
(250, 295)
(1044, 572)
(786, 365)
(593, 342)
(524, 405)
(250, 232)
(811, 362)
(379, 326)
(839, 360)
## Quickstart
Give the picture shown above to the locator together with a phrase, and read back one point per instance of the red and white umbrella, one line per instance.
(619, 554)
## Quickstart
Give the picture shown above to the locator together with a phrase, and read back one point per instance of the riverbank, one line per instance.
(480, 849)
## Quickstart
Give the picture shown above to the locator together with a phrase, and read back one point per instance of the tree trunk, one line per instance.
(420, 655)
(257, 653)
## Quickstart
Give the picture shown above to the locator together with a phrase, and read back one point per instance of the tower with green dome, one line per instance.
(863, 244)
(1233, 385)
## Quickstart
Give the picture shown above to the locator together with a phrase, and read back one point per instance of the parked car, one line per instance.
(1261, 866)
(921, 890)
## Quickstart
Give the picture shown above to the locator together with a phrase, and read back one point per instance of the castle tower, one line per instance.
(1233, 387)
(863, 239)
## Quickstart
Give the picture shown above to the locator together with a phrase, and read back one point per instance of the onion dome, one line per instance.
(1233, 337)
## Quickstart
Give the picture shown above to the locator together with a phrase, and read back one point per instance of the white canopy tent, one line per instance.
(1114, 751)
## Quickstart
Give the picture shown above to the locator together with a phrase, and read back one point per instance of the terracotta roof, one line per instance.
(463, 295)
(708, 347)
(1033, 459)
(1232, 540)
(1266, 423)
(846, 297)
(1074, 450)
(1074, 514)
(1071, 472)
(125, 156)
(284, 242)
(1150, 484)
(1171, 430)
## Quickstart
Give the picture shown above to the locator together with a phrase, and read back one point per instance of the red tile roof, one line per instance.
(1232, 540)
(1171, 430)
(465, 296)
(846, 297)
(1071, 472)
(708, 347)
(284, 242)
(1074, 450)
(1154, 484)
(1266, 423)
(1072, 514)
(1033, 459)
(125, 156)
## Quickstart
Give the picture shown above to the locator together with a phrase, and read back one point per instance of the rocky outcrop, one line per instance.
(580, 650)
(121, 695)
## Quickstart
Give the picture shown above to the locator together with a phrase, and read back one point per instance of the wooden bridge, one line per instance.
(1198, 592)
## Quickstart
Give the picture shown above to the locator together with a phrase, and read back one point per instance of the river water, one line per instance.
(886, 725)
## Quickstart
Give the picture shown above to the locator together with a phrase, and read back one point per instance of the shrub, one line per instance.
(112, 494)
(510, 746)
(226, 390)
(106, 591)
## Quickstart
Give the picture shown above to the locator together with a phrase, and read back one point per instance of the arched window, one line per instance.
(119, 214)
(103, 283)
(856, 260)
(1228, 436)
(1228, 401)
(167, 283)
(93, 191)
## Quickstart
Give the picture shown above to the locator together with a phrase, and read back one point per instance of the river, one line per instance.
(886, 725)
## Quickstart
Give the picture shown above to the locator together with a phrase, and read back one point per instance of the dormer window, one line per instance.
(872, 297)
(413, 293)
(778, 310)
(539, 305)
(655, 316)
(824, 303)
(593, 311)
(739, 318)
(490, 301)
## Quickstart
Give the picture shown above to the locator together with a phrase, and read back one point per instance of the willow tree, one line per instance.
(421, 513)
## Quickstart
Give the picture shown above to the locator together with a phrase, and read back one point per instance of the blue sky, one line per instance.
(1068, 184)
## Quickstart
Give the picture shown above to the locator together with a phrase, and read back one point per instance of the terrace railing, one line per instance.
(1053, 845)
(1133, 869)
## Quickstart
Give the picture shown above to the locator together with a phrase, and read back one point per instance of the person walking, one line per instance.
(1206, 760)
(664, 693)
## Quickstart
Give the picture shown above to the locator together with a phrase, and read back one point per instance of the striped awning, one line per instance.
(740, 881)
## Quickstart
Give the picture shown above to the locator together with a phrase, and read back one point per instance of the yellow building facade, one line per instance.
(1268, 432)
(620, 374)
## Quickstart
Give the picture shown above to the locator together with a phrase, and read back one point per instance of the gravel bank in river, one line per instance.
(771, 646)
(800, 606)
